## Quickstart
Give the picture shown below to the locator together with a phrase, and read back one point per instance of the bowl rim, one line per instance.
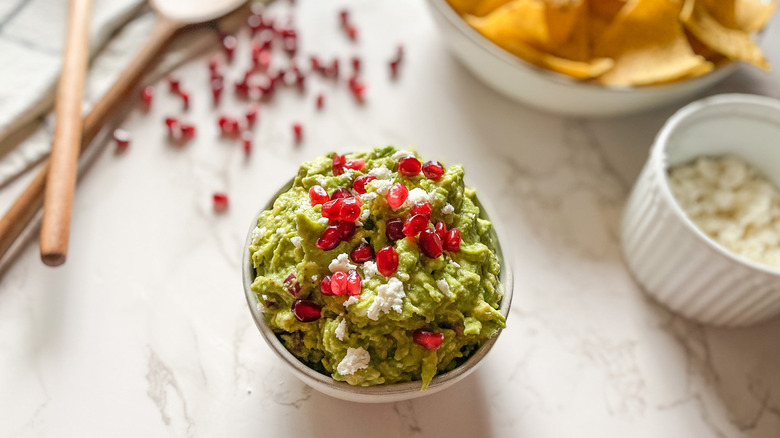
(497, 51)
(660, 164)
(506, 282)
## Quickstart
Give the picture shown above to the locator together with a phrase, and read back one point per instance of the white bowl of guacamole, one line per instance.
(376, 276)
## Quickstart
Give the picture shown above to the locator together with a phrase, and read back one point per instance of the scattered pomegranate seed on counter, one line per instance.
(229, 43)
(297, 132)
(173, 84)
(409, 167)
(452, 240)
(220, 202)
(387, 261)
(430, 243)
(187, 131)
(122, 139)
(246, 141)
(362, 253)
(358, 89)
(228, 126)
(173, 125)
(344, 18)
(430, 340)
(395, 62)
(394, 230)
(423, 209)
(351, 32)
(147, 95)
(360, 183)
(213, 66)
(251, 115)
(254, 22)
(185, 99)
(306, 311)
(320, 101)
(433, 170)
(355, 65)
(396, 195)
(217, 86)
(318, 195)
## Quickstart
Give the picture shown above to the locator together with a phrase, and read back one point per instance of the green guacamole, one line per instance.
(456, 294)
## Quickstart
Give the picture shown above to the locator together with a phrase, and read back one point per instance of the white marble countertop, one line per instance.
(145, 331)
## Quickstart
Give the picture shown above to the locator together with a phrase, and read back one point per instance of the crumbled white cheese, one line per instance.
(369, 196)
(381, 185)
(389, 297)
(341, 330)
(257, 234)
(447, 209)
(369, 270)
(444, 287)
(456, 264)
(733, 204)
(314, 277)
(323, 220)
(322, 180)
(260, 307)
(356, 359)
(381, 172)
(296, 240)
(364, 214)
(341, 264)
(280, 230)
(358, 223)
(351, 300)
(401, 154)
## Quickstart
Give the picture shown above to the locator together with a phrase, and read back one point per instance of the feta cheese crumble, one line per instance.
(341, 330)
(341, 264)
(323, 220)
(401, 154)
(369, 196)
(280, 230)
(369, 270)
(296, 240)
(381, 172)
(417, 196)
(356, 359)
(257, 234)
(381, 185)
(389, 297)
(364, 214)
(351, 300)
(444, 287)
(447, 209)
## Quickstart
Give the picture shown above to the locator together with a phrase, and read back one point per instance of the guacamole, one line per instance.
(375, 268)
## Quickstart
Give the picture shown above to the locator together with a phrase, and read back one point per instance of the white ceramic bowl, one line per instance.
(674, 260)
(373, 394)
(554, 92)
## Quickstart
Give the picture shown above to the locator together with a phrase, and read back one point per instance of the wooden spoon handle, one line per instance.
(29, 202)
(67, 136)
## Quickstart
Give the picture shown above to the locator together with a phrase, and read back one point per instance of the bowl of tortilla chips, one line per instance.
(603, 57)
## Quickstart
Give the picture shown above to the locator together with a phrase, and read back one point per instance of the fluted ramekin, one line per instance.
(677, 263)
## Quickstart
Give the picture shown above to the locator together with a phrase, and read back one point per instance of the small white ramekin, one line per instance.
(670, 256)
(373, 394)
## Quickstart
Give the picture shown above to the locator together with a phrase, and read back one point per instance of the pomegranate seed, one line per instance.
(315, 64)
(229, 43)
(147, 94)
(395, 62)
(292, 285)
(306, 311)
(228, 126)
(350, 210)
(172, 123)
(358, 89)
(241, 88)
(339, 161)
(122, 139)
(298, 132)
(333, 69)
(338, 283)
(220, 202)
(340, 193)
(415, 224)
(362, 253)
(433, 170)
(246, 141)
(394, 230)
(396, 195)
(409, 167)
(452, 241)
(251, 115)
(358, 164)
(355, 65)
(318, 195)
(213, 66)
(187, 131)
(344, 17)
(351, 32)
(216, 89)
(441, 230)
(254, 22)
(394, 69)
(173, 84)
(332, 209)
(423, 208)
(430, 243)
(430, 340)
(360, 183)
(354, 283)
(320, 101)
(185, 99)
(329, 239)
(325, 287)
(346, 229)
(387, 261)
(290, 45)
(359, 201)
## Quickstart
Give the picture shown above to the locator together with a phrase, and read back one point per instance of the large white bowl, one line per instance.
(670, 256)
(554, 92)
(374, 394)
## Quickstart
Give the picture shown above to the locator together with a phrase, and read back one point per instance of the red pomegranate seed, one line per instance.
(332, 209)
(290, 44)
(333, 69)
(297, 132)
(185, 99)
(387, 261)
(396, 195)
(362, 253)
(350, 210)
(217, 86)
(338, 283)
(358, 89)
(395, 62)
(306, 311)
(292, 285)
(415, 224)
(241, 88)
(358, 164)
(220, 202)
(213, 66)
(351, 32)
(339, 161)
(441, 230)
(346, 229)
(354, 283)
(344, 17)
(318, 195)
(320, 101)
(173, 125)
(251, 115)
(452, 241)
(329, 239)
(409, 166)
(360, 183)
(122, 139)
(355, 65)
(173, 84)
(430, 243)
(187, 131)
(147, 94)
(433, 170)
(254, 22)
(246, 141)
(340, 193)
(430, 340)
(394, 230)
(229, 43)
(325, 287)
(228, 126)
(423, 208)
(315, 64)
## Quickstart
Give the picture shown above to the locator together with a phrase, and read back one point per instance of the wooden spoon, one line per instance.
(172, 16)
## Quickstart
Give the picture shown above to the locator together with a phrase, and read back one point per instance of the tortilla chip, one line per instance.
(753, 15)
(577, 47)
(733, 43)
(648, 44)
(463, 7)
(606, 8)
(487, 6)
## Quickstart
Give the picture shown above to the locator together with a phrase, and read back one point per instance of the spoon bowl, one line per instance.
(194, 11)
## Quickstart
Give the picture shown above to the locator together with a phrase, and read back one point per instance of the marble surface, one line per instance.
(145, 331)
